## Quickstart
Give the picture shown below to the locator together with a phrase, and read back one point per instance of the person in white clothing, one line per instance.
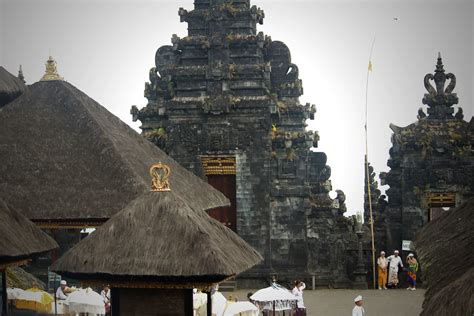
(358, 310)
(395, 262)
(105, 293)
(299, 286)
(61, 292)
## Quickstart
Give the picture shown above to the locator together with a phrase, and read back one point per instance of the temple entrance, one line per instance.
(220, 172)
(439, 203)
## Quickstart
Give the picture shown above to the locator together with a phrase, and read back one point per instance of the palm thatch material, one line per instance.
(159, 237)
(444, 250)
(19, 278)
(20, 238)
(10, 87)
(66, 158)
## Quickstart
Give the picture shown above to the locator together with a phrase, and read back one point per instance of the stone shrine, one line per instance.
(431, 162)
(224, 102)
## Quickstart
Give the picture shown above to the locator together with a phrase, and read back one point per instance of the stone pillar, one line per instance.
(360, 272)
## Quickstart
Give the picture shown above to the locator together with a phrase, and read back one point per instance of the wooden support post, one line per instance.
(115, 301)
(209, 303)
(188, 302)
(4, 293)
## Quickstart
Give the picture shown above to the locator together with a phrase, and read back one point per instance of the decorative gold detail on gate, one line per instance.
(160, 174)
(441, 199)
(219, 165)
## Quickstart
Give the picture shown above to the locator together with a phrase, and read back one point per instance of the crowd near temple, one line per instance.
(225, 187)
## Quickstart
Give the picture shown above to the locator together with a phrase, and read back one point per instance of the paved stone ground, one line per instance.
(340, 302)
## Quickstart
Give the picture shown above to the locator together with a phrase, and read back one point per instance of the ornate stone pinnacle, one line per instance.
(20, 75)
(439, 99)
(439, 65)
(51, 72)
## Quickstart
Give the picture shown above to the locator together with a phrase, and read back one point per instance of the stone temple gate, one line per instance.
(224, 102)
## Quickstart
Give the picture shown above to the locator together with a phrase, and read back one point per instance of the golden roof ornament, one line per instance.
(51, 72)
(160, 174)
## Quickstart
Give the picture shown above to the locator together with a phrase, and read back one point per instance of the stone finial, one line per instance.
(51, 72)
(20, 75)
(440, 99)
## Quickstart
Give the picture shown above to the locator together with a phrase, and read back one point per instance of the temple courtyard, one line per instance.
(326, 302)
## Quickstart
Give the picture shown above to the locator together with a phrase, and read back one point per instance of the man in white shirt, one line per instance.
(395, 261)
(60, 292)
(358, 309)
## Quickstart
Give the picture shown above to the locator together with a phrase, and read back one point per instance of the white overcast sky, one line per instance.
(105, 48)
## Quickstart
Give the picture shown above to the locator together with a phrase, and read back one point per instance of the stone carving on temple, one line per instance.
(227, 90)
(431, 161)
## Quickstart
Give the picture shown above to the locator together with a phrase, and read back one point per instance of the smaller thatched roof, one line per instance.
(20, 238)
(159, 238)
(10, 87)
(444, 250)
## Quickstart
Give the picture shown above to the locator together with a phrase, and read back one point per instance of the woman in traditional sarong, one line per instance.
(382, 264)
(395, 261)
(412, 269)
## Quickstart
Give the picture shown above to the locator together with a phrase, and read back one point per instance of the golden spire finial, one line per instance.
(51, 72)
(160, 174)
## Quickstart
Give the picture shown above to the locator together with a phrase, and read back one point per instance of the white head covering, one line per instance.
(411, 255)
(63, 282)
(396, 251)
(358, 298)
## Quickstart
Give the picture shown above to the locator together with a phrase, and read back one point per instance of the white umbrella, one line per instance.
(241, 309)
(85, 301)
(219, 303)
(274, 297)
(13, 293)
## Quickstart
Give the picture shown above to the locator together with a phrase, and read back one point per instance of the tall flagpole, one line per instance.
(369, 69)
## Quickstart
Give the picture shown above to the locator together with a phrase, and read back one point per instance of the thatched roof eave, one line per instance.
(159, 235)
(20, 238)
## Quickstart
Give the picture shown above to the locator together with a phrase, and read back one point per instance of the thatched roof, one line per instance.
(19, 278)
(159, 237)
(444, 250)
(20, 238)
(10, 87)
(66, 158)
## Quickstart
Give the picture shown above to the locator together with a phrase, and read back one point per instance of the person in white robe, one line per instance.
(297, 291)
(395, 262)
(61, 291)
(105, 293)
(358, 310)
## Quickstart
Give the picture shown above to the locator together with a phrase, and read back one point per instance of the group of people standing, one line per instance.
(391, 266)
(63, 291)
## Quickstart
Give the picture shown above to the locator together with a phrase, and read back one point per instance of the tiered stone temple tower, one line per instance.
(224, 102)
(431, 161)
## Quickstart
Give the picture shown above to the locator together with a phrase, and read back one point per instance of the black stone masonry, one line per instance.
(224, 102)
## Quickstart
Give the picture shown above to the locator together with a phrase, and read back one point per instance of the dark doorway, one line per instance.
(227, 185)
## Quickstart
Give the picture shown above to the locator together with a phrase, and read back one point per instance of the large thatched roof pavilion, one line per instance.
(445, 251)
(10, 87)
(156, 250)
(20, 239)
(68, 162)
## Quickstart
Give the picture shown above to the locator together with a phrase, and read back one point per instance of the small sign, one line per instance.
(53, 280)
(407, 245)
